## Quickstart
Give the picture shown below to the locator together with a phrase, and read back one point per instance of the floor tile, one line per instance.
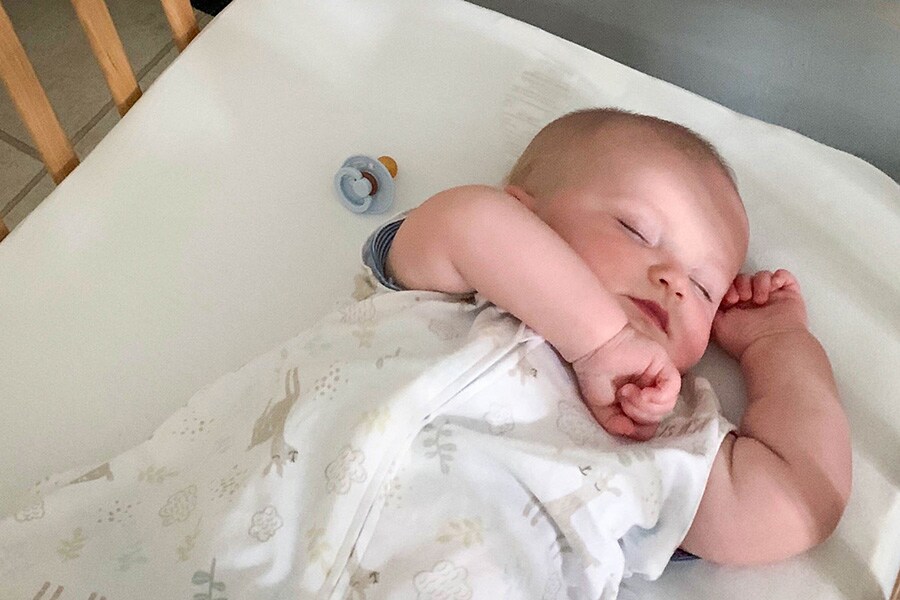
(17, 169)
(29, 202)
(161, 65)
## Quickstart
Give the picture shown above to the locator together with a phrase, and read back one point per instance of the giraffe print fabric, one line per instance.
(410, 445)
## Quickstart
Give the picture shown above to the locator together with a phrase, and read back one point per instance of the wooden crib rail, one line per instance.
(31, 101)
(32, 104)
(110, 54)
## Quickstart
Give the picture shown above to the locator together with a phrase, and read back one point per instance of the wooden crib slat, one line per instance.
(107, 46)
(181, 20)
(4, 230)
(895, 595)
(32, 104)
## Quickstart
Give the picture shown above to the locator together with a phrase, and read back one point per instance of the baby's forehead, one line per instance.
(687, 187)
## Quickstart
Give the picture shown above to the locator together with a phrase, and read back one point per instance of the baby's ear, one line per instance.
(519, 193)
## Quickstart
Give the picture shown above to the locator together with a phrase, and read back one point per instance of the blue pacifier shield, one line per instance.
(364, 185)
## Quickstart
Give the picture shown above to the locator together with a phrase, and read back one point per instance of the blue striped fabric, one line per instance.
(375, 250)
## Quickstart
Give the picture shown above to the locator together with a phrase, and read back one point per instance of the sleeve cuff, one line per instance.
(375, 251)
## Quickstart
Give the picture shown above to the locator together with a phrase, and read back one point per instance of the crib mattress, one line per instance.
(204, 230)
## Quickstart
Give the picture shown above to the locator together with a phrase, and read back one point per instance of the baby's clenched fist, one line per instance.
(758, 306)
(629, 384)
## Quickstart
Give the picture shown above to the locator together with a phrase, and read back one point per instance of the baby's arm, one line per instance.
(482, 238)
(780, 485)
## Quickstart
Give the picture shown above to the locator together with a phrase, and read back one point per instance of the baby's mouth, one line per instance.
(656, 313)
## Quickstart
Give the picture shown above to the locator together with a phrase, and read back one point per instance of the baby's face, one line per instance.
(664, 235)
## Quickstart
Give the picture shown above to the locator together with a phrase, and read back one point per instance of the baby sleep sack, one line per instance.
(411, 445)
(514, 491)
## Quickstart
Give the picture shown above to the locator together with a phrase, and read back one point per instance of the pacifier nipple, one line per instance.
(366, 185)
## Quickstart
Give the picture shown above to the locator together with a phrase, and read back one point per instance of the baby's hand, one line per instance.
(629, 384)
(757, 307)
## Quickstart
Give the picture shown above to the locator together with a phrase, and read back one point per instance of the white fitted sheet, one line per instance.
(203, 231)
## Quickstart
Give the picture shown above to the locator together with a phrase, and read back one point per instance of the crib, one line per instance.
(204, 230)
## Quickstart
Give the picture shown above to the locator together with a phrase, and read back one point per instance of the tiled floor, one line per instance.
(62, 58)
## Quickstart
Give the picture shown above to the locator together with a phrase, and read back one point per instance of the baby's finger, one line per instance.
(762, 284)
(667, 384)
(634, 405)
(613, 420)
(643, 412)
(731, 296)
(784, 279)
(629, 391)
(650, 401)
(742, 285)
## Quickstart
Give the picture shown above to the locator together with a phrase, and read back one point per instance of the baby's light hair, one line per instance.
(555, 146)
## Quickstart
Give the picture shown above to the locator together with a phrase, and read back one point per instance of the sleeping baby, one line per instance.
(423, 445)
(618, 238)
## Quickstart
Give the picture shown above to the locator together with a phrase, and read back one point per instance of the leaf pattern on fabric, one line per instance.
(209, 580)
(71, 548)
(364, 316)
(317, 549)
(155, 475)
(375, 419)
(466, 531)
(435, 444)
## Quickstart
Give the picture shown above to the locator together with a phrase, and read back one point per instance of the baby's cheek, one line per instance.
(692, 346)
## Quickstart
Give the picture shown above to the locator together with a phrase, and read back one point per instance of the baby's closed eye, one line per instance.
(633, 230)
(702, 289)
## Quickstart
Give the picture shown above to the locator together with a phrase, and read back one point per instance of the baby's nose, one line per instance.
(665, 282)
(670, 278)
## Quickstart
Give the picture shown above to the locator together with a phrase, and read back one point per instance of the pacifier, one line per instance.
(366, 185)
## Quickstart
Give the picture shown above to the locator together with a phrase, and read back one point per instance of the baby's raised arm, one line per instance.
(479, 238)
(780, 485)
(482, 238)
